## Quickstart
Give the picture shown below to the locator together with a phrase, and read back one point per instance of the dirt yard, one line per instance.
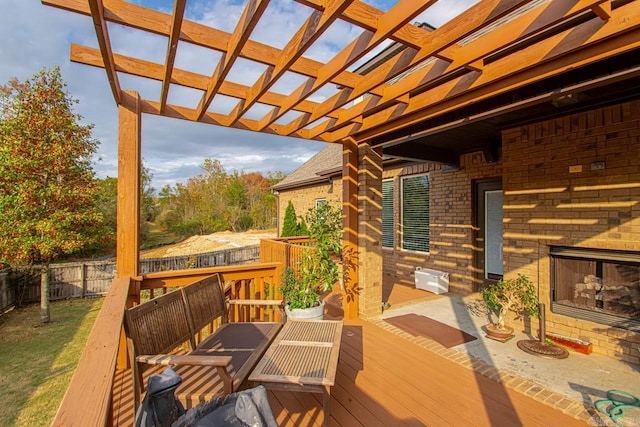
(209, 243)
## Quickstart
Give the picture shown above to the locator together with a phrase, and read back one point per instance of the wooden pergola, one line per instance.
(434, 90)
(492, 50)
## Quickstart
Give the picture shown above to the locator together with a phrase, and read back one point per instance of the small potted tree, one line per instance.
(318, 269)
(517, 295)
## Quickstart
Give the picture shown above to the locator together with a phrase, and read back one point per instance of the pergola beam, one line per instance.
(250, 16)
(494, 47)
(388, 24)
(97, 13)
(367, 17)
(172, 48)
(575, 47)
(141, 68)
(449, 34)
(470, 56)
(145, 19)
(307, 34)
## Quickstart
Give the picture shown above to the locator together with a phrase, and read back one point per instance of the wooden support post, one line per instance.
(350, 225)
(128, 204)
(129, 176)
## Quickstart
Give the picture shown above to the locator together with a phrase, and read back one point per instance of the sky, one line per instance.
(33, 36)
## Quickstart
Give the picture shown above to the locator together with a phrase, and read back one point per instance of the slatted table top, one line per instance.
(304, 353)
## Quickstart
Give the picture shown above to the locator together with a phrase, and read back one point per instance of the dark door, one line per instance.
(488, 258)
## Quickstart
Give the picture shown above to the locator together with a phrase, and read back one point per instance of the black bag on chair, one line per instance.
(247, 408)
(160, 407)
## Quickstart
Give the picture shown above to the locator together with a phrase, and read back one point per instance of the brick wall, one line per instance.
(305, 198)
(553, 196)
(370, 265)
(451, 222)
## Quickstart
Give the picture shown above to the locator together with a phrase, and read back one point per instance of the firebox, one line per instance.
(598, 285)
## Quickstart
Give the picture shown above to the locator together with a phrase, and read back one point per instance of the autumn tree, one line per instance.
(47, 185)
(236, 213)
(216, 201)
(261, 203)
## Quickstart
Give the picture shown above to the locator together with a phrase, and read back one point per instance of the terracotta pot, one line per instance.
(501, 334)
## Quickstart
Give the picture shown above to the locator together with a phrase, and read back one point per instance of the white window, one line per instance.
(387, 213)
(415, 213)
(320, 202)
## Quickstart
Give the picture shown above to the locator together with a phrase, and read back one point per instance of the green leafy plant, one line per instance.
(517, 295)
(318, 268)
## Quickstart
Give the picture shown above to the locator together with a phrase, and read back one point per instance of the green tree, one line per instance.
(47, 185)
(148, 206)
(289, 223)
(106, 197)
(236, 210)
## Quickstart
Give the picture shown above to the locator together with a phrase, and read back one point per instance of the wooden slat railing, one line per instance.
(260, 281)
(287, 250)
(87, 401)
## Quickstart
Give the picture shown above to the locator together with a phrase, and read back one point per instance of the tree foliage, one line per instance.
(290, 222)
(106, 202)
(47, 186)
(216, 200)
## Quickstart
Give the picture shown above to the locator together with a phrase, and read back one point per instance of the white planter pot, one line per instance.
(313, 313)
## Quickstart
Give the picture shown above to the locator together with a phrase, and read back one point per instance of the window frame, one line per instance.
(320, 201)
(403, 233)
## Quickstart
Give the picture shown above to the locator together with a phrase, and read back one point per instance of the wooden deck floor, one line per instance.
(386, 380)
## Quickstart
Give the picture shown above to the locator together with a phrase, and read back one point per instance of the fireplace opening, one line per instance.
(598, 285)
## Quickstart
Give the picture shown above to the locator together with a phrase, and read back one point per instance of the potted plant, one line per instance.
(517, 295)
(318, 269)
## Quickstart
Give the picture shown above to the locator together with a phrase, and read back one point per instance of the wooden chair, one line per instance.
(215, 367)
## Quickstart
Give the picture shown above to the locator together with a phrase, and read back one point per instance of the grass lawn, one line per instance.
(37, 362)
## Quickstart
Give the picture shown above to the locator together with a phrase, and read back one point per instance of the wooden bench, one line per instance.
(215, 367)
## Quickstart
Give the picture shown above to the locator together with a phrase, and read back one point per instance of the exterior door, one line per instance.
(488, 235)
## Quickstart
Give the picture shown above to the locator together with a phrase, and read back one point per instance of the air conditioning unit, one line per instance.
(432, 280)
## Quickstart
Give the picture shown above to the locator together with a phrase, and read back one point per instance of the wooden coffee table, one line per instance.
(303, 357)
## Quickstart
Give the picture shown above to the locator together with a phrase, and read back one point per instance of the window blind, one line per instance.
(387, 213)
(415, 213)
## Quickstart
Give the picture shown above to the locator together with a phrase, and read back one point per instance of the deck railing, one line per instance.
(87, 401)
(92, 382)
(287, 250)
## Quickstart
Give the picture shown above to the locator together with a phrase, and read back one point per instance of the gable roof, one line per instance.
(324, 165)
